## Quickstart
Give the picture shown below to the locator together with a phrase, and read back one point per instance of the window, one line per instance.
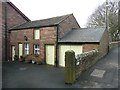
(37, 34)
(26, 48)
(36, 49)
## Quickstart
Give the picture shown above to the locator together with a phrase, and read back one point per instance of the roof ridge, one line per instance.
(53, 21)
(64, 18)
(50, 18)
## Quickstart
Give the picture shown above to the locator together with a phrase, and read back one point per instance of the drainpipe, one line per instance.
(6, 53)
(56, 62)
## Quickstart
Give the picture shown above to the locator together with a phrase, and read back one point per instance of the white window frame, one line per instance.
(37, 34)
(36, 49)
(26, 48)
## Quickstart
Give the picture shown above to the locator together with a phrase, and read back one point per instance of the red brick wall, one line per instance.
(67, 25)
(104, 44)
(47, 36)
(12, 18)
(18, 37)
(0, 31)
(89, 47)
(102, 47)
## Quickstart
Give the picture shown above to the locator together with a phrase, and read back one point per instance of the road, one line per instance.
(104, 74)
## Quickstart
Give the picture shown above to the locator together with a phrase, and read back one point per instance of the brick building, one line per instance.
(51, 37)
(10, 16)
(84, 40)
(42, 37)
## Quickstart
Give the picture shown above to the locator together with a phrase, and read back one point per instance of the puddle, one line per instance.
(22, 68)
(98, 73)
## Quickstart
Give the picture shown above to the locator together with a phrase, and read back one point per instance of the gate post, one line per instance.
(69, 73)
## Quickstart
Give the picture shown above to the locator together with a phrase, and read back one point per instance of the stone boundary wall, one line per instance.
(75, 65)
(85, 60)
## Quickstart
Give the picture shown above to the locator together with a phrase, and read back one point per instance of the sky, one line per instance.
(42, 9)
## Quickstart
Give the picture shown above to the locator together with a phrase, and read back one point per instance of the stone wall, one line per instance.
(75, 65)
(85, 61)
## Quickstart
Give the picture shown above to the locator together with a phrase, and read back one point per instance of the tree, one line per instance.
(98, 17)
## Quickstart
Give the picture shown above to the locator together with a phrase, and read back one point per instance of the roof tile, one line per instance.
(83, 35)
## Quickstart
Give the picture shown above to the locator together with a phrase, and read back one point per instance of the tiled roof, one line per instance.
(83, 35)
(41, 23)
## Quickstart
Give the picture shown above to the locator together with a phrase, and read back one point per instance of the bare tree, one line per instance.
(99, 15)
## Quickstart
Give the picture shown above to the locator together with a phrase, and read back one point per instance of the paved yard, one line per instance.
(22, 75)
(0, 75)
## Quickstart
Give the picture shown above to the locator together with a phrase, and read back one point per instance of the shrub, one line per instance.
(22, 58)
(16, 57)
(28, 59)
(36, 58)
(33, 58)
(38, 61)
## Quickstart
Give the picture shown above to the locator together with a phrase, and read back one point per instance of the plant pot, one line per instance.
(33, 62)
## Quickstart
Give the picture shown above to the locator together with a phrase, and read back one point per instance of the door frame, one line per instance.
(45, 52)
(12, 57)
(18, 49)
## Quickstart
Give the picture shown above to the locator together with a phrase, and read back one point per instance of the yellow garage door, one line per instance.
(63, 48)
(50, 54)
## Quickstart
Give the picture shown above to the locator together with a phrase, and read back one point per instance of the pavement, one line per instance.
(104, 74)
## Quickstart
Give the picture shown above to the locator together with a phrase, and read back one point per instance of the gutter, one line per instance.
(59, 42)
(12, 29)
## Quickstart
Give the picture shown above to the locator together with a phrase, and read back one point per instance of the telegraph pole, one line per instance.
(107, 21)
(106, 15)
(119, 17)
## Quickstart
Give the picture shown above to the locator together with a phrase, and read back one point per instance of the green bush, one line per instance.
(28, 58)
(37, 58)
(22, 58)
(32, 58)
(16, 57)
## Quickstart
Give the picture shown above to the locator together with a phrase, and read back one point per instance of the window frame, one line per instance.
(26, 48)
(36, 49)
(36, 34)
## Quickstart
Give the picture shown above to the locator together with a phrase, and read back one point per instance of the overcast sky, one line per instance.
(41, 9)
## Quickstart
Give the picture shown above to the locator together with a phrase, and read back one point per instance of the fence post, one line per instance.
(69, 67)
